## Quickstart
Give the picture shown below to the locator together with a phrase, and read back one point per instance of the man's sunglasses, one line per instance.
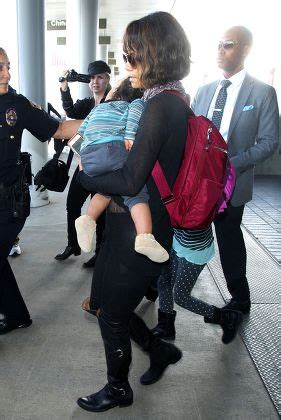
(129, 58)
(227, 45)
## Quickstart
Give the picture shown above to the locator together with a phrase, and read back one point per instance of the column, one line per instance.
(31, 52)
(81, 37)
(102, 53)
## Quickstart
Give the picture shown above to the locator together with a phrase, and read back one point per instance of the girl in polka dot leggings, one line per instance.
(191, 252)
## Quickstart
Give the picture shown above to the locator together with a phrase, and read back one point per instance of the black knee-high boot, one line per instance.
(117, 391)
(161, 354)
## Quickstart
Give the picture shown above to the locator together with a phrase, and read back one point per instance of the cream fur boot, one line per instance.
(86, 233)
(146, 244)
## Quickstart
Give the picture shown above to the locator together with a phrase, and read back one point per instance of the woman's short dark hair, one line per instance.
(125, 92)
(160, 45)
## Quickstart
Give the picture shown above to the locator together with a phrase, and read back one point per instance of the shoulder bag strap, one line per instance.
(70, 154)
(157, 172)
(161, 183)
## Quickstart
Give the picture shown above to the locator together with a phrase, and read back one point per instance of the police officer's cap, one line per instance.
(98, 67)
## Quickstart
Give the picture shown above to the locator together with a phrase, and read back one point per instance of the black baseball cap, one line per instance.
(97, 67)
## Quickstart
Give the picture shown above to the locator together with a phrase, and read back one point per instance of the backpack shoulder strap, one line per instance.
(162, 184)
(157, 172)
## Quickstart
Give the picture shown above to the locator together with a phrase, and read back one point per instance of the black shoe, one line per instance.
(241, 306)
(91, 262)
(69, 250)
(7, 326)
(166, 326)
(230, 321)
(161, 355)
(107, 398)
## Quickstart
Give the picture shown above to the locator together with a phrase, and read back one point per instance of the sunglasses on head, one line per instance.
(227, 45)
(129, 58)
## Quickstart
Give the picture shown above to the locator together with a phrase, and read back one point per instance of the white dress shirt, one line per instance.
(232, 94)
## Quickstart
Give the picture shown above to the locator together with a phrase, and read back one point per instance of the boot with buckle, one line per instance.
(108, 397)
(117, 392)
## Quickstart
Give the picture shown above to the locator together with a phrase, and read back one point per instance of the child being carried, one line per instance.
(109, 131)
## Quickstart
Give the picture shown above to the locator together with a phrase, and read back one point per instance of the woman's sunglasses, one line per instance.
(129, 58)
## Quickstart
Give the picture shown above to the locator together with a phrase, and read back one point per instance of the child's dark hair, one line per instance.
(125, 92)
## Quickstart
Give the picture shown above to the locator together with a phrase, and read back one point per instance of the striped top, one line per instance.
(196, 246)
(111, 121)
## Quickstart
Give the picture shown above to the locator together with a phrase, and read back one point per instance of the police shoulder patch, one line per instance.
(35, 105)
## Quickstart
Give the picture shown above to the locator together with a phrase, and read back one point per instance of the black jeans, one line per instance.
(232, 251)
(76, 197)
(120, 281)
(11, 302)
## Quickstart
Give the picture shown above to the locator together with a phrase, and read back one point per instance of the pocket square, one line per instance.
(248, 107)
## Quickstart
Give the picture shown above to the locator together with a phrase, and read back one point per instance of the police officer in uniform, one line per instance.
(16, 114)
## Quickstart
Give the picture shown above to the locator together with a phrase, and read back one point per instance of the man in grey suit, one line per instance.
(246, 113)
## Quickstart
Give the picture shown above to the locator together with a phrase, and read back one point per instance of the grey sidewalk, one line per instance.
(45, 368)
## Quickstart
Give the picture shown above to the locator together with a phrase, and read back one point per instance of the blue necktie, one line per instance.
(220, 103)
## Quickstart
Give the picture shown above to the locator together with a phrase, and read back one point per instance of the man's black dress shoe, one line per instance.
(229, 322)
(69, 250)
(236, 305)
(91, 262)
(107, 398)
(7, 326)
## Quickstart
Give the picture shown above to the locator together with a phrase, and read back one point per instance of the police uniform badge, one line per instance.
(35, 105)
(11, 117)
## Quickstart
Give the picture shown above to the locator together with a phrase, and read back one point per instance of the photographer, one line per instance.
(99, 79)
(99, 76)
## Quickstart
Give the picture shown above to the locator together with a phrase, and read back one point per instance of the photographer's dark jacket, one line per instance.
(80, 109)
(16, 114)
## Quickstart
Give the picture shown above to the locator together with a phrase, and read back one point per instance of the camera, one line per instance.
(73, 76)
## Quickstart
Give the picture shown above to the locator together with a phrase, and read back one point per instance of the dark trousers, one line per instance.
(233, 251)
(76, 197)
(11, 302)
(120, 281)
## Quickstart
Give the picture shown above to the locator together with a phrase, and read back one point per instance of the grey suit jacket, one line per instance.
(253, 131)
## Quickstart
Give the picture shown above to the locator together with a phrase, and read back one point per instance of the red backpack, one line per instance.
(205, 172)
